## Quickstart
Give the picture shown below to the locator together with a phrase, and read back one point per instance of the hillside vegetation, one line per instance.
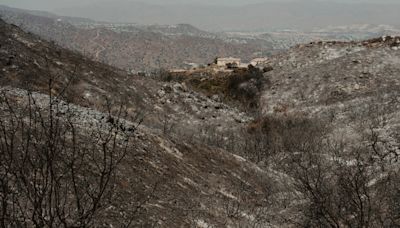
(155, 178)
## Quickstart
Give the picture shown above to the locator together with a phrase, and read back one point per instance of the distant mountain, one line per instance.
(278, 14)
(6, 10)
(139, 47)
(131, 46)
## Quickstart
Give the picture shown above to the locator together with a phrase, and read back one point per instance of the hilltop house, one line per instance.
(258, 61)
(224, 62)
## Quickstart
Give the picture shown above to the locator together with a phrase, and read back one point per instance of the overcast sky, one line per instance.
(56, 4)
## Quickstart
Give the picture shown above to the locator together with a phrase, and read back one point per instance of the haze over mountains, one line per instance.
(293, 15)
(256, 16)
(137, 47)
(228, 15)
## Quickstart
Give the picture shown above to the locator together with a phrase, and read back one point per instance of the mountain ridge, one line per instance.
(135, 47)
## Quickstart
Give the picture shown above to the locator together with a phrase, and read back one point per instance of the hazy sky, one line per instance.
(55, 4)
(223, 15)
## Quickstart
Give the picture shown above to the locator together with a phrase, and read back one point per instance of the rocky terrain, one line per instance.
(192, 179)
(331, 75)
(353, 88)
(329, 121)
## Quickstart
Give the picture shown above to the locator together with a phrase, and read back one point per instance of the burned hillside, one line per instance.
(310, 142)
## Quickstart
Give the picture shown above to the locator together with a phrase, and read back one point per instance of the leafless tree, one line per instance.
(167, 124)
(345, 185)
(55, 172)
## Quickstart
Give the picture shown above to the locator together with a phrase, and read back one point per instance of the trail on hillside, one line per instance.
(94, 41)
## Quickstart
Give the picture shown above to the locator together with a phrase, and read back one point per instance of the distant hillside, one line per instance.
(133, 47)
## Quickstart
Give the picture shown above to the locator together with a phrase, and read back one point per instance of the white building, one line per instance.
(258, 61)
(223, 62)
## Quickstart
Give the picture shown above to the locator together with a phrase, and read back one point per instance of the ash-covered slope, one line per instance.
(349, 84)
(323, 76)
(29, 62)
(331, 122)
(196, 185)
(327, 137)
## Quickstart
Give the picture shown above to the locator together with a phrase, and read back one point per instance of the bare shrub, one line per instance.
(342, 183)
(54, 172)
(246, 85)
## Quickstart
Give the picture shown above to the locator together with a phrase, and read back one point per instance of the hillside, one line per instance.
(319, 147)
(350, 90)
(193, 183)
(327, 75)
(134, 47)
(139, 47)
(329, 124)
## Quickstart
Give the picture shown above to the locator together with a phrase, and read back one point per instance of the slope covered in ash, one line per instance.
(326, 137)
(29, 62)
(174, 181)
(331, 118)
(335, 78)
